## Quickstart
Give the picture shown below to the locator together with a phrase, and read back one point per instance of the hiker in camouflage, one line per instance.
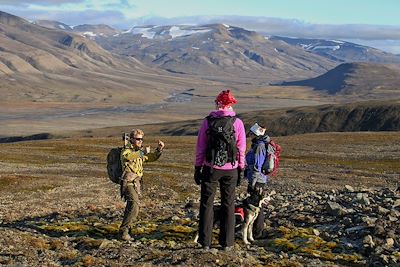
(132, 158)
(211, 170)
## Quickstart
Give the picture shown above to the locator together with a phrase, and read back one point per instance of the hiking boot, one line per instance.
(206, 247)
(228, 248)
(124, 235)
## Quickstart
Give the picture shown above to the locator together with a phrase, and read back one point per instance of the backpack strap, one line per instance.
(233, 151)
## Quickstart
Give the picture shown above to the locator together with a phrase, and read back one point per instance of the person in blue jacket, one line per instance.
(257, 179)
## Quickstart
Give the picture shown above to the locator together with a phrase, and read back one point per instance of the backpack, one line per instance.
(221, 145)
(271, 162)
(114, 165)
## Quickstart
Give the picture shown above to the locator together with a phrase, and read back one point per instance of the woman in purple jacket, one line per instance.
(217, 162)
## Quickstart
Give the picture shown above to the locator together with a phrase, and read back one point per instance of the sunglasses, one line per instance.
(138, 139)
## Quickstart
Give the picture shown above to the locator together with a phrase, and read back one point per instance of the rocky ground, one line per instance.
(337, 203)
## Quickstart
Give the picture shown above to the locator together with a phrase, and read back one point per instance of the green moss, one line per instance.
(67, 227)
(144, 229)
(349, 257)
(176, 229)
(302, 241)
(80, 228)
(285, 244)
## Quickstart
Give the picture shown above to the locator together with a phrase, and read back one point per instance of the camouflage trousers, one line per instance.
(131, 193)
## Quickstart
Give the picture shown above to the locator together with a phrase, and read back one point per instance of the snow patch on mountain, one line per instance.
(178, 32)
(173, 31)
(333, 47)
(91, 34)
(319, 47)
(144, 31)
(337, 41)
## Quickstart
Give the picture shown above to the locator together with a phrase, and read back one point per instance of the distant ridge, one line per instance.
(354, 78)
(13, 139)
(354, 117)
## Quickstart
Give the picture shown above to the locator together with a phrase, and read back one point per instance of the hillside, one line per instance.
(28, 48)
(54, 66)
(351, 117)
(362, 79)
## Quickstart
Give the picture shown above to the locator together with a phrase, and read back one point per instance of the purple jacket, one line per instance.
(255, 159)
(240, 135)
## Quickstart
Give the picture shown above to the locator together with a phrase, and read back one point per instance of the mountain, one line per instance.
(51, 24)
(53, 66)
(26, 47)
(362, 79)
(340, 51)
(220, 50)
(92, 31)
(87, 30)
(217, 50)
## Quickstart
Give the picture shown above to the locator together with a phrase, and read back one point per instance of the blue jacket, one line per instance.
(255, 159)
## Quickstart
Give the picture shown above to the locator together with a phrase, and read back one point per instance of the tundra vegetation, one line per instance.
(334, 192)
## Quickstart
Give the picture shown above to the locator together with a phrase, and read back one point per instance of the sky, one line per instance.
(369, 22)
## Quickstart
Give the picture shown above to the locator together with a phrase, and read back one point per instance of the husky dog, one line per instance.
(252, 206)
(251, 211)
(239, 218)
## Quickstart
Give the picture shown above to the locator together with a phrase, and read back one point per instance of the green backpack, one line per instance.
(114, 166)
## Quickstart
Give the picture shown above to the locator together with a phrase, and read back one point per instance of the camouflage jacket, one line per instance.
(132, 160)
